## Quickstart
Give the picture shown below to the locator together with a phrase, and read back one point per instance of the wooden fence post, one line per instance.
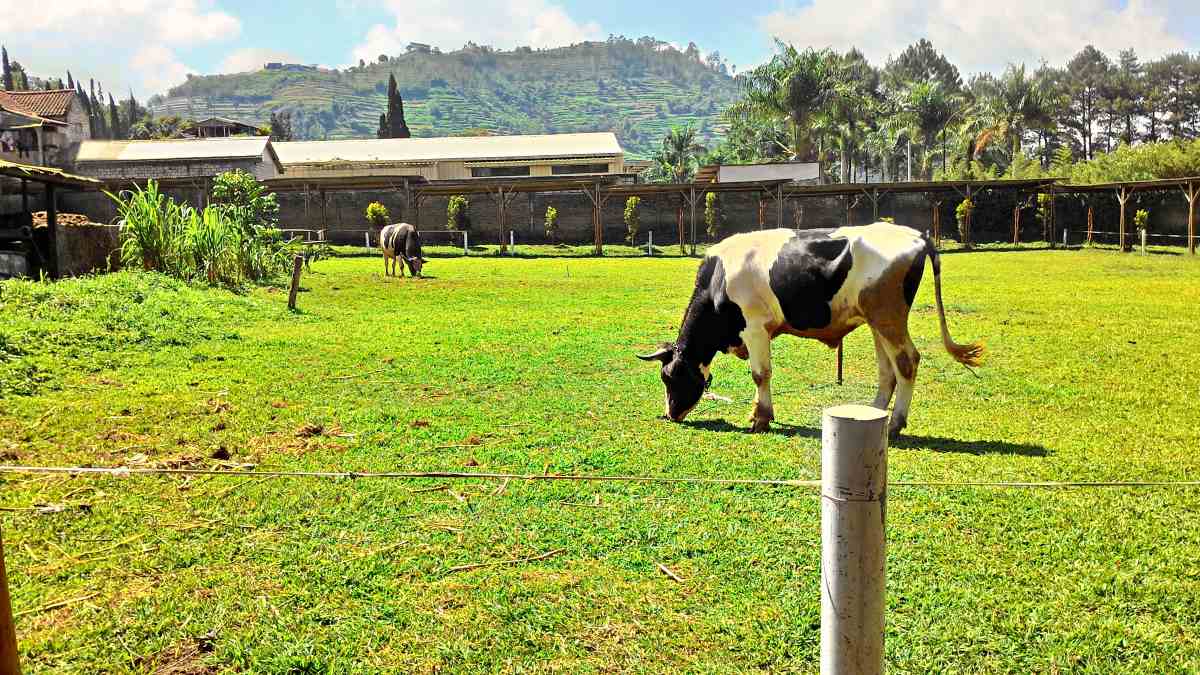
(853, 562)
(1122, 197)
(9, 662)
(297, 262)
(1017, 223)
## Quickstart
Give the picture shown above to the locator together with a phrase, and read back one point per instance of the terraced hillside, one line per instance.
(637, 89)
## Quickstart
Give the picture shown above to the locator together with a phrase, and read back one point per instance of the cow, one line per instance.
(401, 241)
(819, 284)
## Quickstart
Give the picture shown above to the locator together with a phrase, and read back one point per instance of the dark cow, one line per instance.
(401, 241)
(818, 284)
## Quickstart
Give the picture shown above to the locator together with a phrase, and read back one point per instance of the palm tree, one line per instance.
(926, 109)
(794, 85)
(1015, 103)
(679, 153)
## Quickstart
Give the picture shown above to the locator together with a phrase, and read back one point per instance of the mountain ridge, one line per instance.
(637, 89)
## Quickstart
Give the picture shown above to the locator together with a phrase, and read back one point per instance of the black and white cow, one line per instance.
(818, 284)
(401, 241)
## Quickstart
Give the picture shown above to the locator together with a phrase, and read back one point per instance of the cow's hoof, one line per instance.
(759, 426)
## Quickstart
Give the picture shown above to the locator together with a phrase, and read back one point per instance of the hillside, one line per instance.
(636, 89)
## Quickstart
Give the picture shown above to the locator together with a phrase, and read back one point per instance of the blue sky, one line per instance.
(149, 45)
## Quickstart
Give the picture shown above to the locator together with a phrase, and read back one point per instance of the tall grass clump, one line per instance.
(226, 243)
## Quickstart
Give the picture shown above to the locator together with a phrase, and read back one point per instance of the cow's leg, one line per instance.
(905, 358)
(887, 374)
(758, 344)
(398, 264)
(385, 265)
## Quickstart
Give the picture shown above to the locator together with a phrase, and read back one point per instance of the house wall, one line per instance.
(139, 171)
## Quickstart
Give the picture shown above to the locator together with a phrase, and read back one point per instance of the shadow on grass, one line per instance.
(940, 444)
(904, 442)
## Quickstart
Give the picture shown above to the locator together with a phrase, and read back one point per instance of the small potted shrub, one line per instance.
(633, 220)
(457, 216)
(1141, 220)
(552, 224)
(962, 214)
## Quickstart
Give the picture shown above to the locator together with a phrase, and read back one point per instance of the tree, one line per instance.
(794, 86)
(70, 81)
(633, 219)
(920, 62)
(1013, 104)
(8, 74)
(114, 117)
(551, 223)
(679, 153)
(281, 126)
(383, 127)
(377, 215)
(926, 109)
(397, 128)
(1086, 75)
(242, 198)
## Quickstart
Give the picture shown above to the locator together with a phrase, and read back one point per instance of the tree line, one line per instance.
(915, 117)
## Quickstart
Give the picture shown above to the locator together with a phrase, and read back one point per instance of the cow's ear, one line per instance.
(664, 354)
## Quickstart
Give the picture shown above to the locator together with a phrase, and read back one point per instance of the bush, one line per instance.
(457, 216)
(1141, 219)
(714, 220)
(214, 245)
(962, 213)
(633, 219)
(551, 223)
(377, 214)
(241, 197)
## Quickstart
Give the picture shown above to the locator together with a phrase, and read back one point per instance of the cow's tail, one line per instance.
(969, 354)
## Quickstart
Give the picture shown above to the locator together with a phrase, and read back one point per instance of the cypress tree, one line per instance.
(114, 116)
(397, 128)
(8, 77)
(70, 81)
(383, 127)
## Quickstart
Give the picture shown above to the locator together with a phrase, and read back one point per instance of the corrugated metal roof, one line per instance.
(45, 174)
(795, 171)
(172, 150)
(466, 148)
(53, 103)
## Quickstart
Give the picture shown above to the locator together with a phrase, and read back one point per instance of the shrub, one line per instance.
(714, 220)
(633, 219)
(1141, 219)
(457, 217)
(377, 214)
(962, 213)
(241, 197)
(551, 223)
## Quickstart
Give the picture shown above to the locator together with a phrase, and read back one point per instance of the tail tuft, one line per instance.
(970, 355)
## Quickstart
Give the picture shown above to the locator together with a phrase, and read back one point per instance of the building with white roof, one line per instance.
(177, 159)
(455, 157)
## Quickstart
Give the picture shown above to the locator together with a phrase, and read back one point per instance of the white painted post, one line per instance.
(1064, 237)
(367, 237)
(466, 249)
(1143, 241)
(853, 507)
(650, 244)
(512, 242)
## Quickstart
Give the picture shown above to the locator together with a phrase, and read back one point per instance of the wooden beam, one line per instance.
(692, 200)
(1016, 223)
(9, 662)
(1122, 197)
(52, 228)
(1091, 222)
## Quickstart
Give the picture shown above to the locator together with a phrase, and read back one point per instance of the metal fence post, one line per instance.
(853, 508)
(466, 239)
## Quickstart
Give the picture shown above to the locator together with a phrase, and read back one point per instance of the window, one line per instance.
(568, 169)
(498, 171)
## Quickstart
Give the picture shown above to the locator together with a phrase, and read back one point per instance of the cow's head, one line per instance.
(685, 381)
(415, 264)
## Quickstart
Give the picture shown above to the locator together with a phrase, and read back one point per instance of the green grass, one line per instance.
(526, 365)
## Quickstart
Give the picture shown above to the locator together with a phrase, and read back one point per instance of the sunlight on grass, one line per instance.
(526, 365)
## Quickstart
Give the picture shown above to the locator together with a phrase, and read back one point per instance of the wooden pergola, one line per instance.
(1123, 191)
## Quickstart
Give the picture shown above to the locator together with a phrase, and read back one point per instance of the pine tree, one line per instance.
(114, 116)
(20, 78)
(8, 76)
(70, 81)
(383, 126)
(397, 128)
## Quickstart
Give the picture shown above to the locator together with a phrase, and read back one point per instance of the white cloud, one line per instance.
(124, 42)
(982, 35)
(449, 25)
(252, 58)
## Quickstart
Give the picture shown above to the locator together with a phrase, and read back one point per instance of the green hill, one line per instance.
(636, 89)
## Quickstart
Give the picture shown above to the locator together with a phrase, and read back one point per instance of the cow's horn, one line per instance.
(664, 354)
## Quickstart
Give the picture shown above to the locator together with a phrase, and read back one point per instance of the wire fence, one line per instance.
(128, 472)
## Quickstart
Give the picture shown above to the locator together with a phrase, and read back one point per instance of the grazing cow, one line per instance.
(401, 241)
(818, 284)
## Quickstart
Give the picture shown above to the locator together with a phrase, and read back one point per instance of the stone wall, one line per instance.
(140, 171)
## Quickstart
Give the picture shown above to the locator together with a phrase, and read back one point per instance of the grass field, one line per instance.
(526, 365)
